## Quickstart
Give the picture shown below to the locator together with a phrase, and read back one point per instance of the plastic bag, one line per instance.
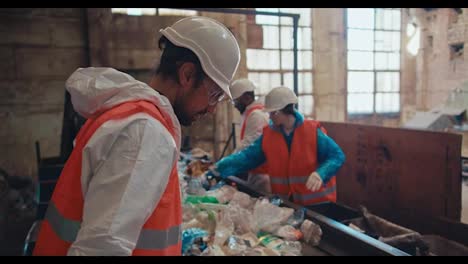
(189, 236)
(251, 238)
(223, 194)
(236, 245)
(241, 199)
(242, 218)
(270, 241)
(312, 232)
(195, 187)
(208, 220)
(224, 228)
(269, 217)
(200, 199)
(288, 232)
(291, 248)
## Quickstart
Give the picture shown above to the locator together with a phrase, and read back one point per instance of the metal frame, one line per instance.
(374, 115)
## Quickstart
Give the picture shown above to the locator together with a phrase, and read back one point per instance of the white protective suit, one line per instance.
(254, 125)
(126, 163)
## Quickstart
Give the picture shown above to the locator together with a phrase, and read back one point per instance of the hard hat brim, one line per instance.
(269, 110)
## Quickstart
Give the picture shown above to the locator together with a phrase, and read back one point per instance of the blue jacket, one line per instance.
(330, 155)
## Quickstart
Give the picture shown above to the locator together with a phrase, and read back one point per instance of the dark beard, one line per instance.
(184, 119)
(240, 107)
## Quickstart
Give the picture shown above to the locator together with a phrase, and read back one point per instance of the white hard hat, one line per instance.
(239, 87)
(278, 98)
(213, 43)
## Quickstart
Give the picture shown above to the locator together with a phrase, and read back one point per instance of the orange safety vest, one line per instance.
(289, 171)
(262, 169)
(160, 234)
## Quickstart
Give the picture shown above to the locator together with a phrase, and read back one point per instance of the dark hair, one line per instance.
(172, 58)
(289, 109)
(251, 94)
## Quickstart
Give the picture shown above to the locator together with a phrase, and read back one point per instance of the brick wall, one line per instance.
(39, 49)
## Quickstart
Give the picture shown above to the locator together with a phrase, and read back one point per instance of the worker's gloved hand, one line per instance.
(314, 182)
(212, 172)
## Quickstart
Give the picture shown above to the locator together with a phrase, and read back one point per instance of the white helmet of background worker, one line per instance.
(239, 87)
(278, 98)
(212, 42)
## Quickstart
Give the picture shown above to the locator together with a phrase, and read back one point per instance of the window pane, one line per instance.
(387, 61)
(360, 103)
(176, 12)
(361, 18)
(387, 103)
(388, 19)
(388, 81)
(263, 59)
(288, 80)
(267, 20)
(396, 21)
(360, 60)
(255, 78)
(266, 81)
(360, 39)
(287, 60)
(304, 20)
(304, 60)
(270, 37)
(306, 103)
(387, 41)
(360, 82)
(305, 83)
(119, 10)
(287, 38)
(287, 20)
(304, 38)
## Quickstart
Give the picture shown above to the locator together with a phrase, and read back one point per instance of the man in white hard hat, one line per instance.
(118, 193)
(301, 159)
(254, 119)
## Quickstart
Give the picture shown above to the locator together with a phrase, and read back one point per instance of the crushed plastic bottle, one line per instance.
(297, 218)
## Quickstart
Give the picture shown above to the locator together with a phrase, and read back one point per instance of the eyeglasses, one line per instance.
(274, 113)
(215, 95)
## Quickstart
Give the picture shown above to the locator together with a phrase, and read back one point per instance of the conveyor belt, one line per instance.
(337, 238)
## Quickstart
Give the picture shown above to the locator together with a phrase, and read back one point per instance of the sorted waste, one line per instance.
(219, 220)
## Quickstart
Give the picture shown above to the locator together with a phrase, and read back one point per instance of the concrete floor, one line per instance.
(464, 217)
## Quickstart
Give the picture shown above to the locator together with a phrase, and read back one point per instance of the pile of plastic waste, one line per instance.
(219, 220)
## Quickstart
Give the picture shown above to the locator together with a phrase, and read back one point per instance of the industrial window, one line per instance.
(153, 11)
(373, 40)
(270, 64)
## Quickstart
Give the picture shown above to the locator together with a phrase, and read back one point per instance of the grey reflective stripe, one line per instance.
(278, 180)
(298, 179)
(151, 239)
(305, 197)
(289, 180)
(65, 229)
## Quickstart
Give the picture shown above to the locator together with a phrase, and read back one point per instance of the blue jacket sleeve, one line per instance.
(330, 156)
(242, 161)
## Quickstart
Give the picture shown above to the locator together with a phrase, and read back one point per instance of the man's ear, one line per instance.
(187, 75)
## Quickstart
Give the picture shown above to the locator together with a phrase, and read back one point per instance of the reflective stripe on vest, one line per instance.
(160, 235)
(315, 195)
(290, 180)
(289, 169)
(149, 239)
